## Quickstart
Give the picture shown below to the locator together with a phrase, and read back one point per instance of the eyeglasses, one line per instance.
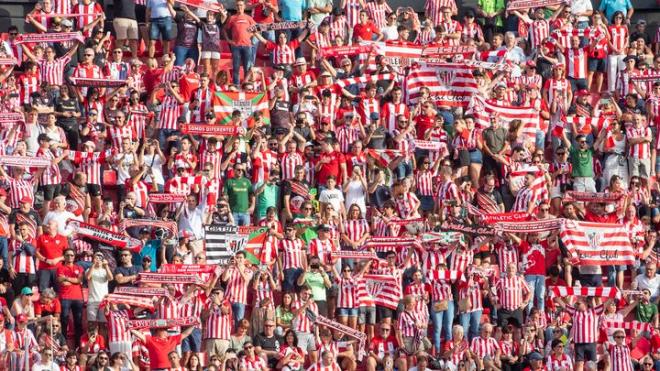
(13, 33)
(347, 270)
(308, 208)
(69, 255)
(545, 209)
(248, 347)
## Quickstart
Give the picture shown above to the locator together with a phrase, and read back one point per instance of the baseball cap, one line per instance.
(21, 318)
(535, 356)
(66, 23)
(26, 291)
(324, 228)
(26, 199)
(300, 61)
(582, 93)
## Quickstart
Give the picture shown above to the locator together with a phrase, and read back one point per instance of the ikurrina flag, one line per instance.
(450, 84)
(590, 243)
(224, 103)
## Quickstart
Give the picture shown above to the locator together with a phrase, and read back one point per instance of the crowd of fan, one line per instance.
(302, 171)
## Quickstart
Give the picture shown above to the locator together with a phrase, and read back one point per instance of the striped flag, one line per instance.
(580, 121)
(384, 157)
(451, 84)
(224, 103)
(481, 110)
(597, 243)
(222, 241)
(384, 289)
(398, 55)
(602, 291)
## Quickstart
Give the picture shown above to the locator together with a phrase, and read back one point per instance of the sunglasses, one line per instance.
(13, 33)
(89, 55)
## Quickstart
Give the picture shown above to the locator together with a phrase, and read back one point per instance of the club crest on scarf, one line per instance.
(445, 77)
(594, 239)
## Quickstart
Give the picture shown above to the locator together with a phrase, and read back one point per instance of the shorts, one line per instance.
(94, 314)
(476, 157)
(555, 192)
(161, 27)
(193, 342)
(125, 28)
(427, 203)
(597, 65)
(50, 191)
(639, 167)
(410, 347)
(347, 312)
(585, 352)
(216, 346)
(124, 347)
(306, 341)
(94, 190)
(591, 280)
(367, 316)
(210, 55)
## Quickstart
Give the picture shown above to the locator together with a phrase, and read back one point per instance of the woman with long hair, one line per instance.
(292, 357)
(284, 313)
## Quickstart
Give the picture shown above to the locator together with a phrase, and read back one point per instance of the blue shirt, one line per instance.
(158, 9)
(612, 6)
(292, 10)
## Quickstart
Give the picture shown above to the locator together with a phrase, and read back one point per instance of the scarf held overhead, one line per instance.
(603, 292)
(105, 236)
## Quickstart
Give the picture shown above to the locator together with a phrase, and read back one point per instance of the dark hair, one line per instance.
(295, 337)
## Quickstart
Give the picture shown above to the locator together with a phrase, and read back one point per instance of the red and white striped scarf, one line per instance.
(627, 325)
(603, 292)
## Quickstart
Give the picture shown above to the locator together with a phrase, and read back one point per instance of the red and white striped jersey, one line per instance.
(338, 27)
(90, 163)
(524, 196)
(576, 63)
(539, 30)
(137, 119)
(426, 36)
(52, 73)
(51, 174)
(458, 350)
(322, 249)
(618, 38)
(390, 112)
(215, 159)
(348, 292)
(288, 163)
(172, 75)
(24, 339)
(62, 6)
(169, 113)
(118, 133)
(28, 84)
(407, 323)
(451, 26)
(254, 363)
(283, 54)
(377, 12)
(237, 286)
(562, 86)
(585, 324)
(19, 188)
(218, 325)
(472, 31)
(346, 135)
(620, 357)
(141, 190)
(301, 322)
(473, 291)
(484, 347)
(461, 259)
(424, 182)
(90, 12)
(291, 252)
(433, 9)
(355, 228)
(352, 10)
(510, 292)
(21, 261)
(421, 291)
(205, 98)
(192, 306)
(506, 254)
(262, 164)
(262, 292)
(447, 190)
(368, 106)
(640, 151)
(321, 40)
(90, 71)
(117, 322)
(442, 280)
(558, 363)
(407, 205)
(624, 84)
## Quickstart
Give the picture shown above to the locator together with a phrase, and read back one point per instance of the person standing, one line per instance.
(98, 276)
(50, 248)
(240, 195)
(160, 14)
(125, 24)
(513, 294)
(240, 41)
(69, 279)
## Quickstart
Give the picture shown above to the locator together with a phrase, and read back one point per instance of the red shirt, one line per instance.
(258, 11)
(188, 83)
(238, 25)
(159, 349)
(533, 257)
(151, 78)
(72, 291)
(51, 247)
(365, 31)
(329, 168)
(605, 218)
(423, 123)
(98, 344)
(54, 307)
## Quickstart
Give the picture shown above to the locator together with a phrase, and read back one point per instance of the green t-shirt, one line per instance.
(269, 197)
(238, 190)
(645, 312)
(583, 162)
(491, 6)
(315, 281)
(284, 315)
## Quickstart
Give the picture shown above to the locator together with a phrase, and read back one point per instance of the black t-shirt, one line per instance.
(280, 116)
(268, 343)
(378, 138)
(127, 271)
(67, 105)
(124, 9)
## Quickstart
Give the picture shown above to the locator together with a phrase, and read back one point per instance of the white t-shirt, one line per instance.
(61, 217)
(390, 32)
(333, 197)
(155, 162)
(98, 287)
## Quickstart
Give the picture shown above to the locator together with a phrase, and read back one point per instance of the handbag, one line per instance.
(464, 305)
(441, 306)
